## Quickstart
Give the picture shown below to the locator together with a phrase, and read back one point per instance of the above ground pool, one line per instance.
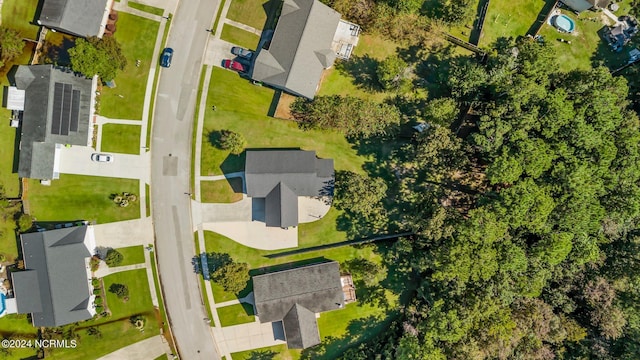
(564, 23)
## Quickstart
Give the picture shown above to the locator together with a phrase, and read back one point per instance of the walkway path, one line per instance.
(610, 15)
(105, 270)
(243, 26)
(124, 7)
(150, 348)
(124, 233)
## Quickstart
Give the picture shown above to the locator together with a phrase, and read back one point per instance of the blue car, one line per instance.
(165, 58)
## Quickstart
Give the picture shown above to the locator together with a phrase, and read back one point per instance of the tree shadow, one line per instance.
(363, 71)
(56, 51)
(605, 55)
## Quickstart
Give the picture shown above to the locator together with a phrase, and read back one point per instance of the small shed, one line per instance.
(15, 99)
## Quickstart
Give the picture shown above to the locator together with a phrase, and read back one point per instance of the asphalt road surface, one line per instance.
(170, 178)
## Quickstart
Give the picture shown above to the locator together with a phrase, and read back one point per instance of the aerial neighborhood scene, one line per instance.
(320, 179)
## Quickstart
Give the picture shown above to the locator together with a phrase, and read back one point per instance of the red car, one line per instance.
(233, 65)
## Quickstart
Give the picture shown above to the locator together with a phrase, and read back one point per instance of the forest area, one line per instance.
(523, 194)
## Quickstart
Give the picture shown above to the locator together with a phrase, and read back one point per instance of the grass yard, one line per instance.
(139, 294)
(137, 37)
(346, 77)
(221, 191)
(248, 12)
(236, 314)
(115, 334)
(586, 45)
(507, 18)
(277, 352)
(78, 197)
(18, 326)
(146, 8)
(243, 108)
(20, 15)
(256, 258)
(120, 138)
(239, 37)
(132, 255)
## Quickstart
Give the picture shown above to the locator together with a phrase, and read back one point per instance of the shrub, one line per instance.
(96, 291)
(113, 258)
(232, 141)
(98, 301)
(25, 222)
(94, 263)
(95, 282)
(121, 290)
(233, 277)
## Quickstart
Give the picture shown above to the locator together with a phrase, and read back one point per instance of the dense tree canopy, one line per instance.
(11, 45)
(94, 56)
(526, 226)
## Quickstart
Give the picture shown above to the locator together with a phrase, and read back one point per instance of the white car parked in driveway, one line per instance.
(102, 157)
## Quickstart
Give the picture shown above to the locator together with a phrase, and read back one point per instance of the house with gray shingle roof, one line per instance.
(308, 38)
(83, 18)
(295, 296)
(281, 176)
(582, 5)
(58, 106)
(55, 286)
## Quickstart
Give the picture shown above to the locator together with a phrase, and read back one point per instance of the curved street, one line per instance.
(170, 179)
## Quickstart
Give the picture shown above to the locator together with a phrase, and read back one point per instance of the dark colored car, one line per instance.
(165, 58)
(233, 65)
(242, 52)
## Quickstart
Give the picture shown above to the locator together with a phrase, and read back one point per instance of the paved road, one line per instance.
(170, 172)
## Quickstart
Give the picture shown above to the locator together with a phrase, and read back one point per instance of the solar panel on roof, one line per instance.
(66, 109)
(57, 108)
(75, 110)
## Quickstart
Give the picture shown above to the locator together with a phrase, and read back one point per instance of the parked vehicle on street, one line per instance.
(165, 58)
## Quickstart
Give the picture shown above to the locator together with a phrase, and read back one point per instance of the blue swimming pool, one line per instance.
(564, 23)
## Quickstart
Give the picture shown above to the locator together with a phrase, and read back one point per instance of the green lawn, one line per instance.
(146, 8)
(586, 45)
(20, 15)
(239, 37)
(162, 357)
(132, 255)
(507, 18)
(248, 12)
(256, 258)
(214, 27)
(77, 197)
(221, 191)
(137, 36)
(236, 314)
(243, 108)
(116, 334)
(120, 138)
(139, 294)
(339, 80)
(277, 352)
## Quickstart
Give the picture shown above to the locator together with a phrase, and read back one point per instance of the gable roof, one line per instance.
(316, 287)
(582, 5)
(280, 176)
(300, 328)
(55, 287)
(57, 110)
(300, 48)
(77, 17)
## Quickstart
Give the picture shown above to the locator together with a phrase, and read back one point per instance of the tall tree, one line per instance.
(95, 56)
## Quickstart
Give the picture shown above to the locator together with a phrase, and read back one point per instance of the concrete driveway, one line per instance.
(249, 336)
(77, 160)
(124, 233)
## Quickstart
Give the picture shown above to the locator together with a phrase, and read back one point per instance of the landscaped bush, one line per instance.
(120, 290)
(113, 258)
(138, 321)
(232, 141)
(96, 291)
(124, 199)
(99, 309)
(233, 277)
(98, 301)
(94, 263)
(95, 282)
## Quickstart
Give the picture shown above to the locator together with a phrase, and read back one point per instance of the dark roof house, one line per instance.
(280, 176)
(307, 39)
(76, 17)
(58, 106)
(56, 285)
(295, 296)
(620, 34)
